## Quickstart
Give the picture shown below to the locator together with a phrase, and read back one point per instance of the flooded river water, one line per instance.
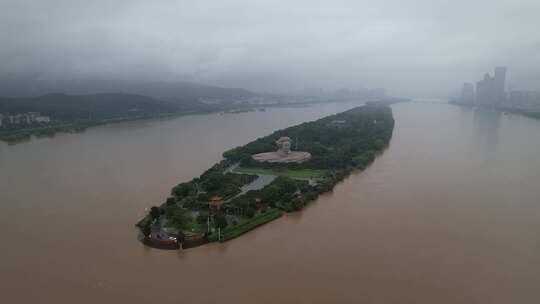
(449, 213)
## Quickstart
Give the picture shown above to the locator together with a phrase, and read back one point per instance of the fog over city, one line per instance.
(412, 48)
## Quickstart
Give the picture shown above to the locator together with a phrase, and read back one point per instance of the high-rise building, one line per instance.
(490, 91)
(499, 86)
(525, 100)
(484, 90)
(467, 94)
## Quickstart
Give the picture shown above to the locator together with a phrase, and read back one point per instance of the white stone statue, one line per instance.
(283, 154)
(284, 144)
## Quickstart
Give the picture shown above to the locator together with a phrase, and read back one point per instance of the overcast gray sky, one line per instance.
(415, 48)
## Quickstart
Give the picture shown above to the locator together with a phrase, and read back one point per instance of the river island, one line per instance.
(258, 182)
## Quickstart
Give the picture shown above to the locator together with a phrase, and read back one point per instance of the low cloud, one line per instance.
(415, 48)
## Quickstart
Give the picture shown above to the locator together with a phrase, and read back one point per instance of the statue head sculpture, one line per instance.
(283, 154)
(284, 144)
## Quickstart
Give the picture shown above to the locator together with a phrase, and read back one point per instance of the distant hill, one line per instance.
(95, 106)
(186, 93)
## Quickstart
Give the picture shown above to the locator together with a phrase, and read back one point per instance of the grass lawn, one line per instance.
(306, 173)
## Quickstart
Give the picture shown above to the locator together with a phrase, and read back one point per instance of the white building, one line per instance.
(525, 100)
(24, 118)
(42, 119)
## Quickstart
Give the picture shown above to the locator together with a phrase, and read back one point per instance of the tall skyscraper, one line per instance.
(499, 86)
(490, 91)
(467, 94)
(484, 90)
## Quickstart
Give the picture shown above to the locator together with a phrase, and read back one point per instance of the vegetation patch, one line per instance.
(212, 202)
(256, 221)
(301, 173)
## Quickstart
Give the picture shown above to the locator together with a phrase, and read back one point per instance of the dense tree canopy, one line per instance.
(335, 142)
(339, 144)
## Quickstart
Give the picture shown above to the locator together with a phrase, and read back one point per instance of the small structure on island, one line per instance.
(162, 239)
(216, 201)
(283, 154)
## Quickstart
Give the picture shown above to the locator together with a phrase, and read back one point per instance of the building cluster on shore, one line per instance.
(491, 92)
(23, 119)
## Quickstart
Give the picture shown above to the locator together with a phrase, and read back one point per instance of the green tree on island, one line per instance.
(338, 144)
(178, 218)
(220, 220)
(155, 213)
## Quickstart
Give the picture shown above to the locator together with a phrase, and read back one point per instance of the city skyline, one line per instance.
(492, 91)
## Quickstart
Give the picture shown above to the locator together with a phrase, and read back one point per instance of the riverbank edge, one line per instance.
(525, 113)
(24, 135)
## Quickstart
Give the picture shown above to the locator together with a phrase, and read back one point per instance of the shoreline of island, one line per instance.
(241, 192)
(23, 135)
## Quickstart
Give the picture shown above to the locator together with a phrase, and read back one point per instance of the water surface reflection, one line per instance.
(448, 214)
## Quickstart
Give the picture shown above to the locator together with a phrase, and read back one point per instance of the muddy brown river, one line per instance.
(449, 213)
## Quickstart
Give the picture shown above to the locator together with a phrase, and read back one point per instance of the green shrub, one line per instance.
(171, 201)
(234, 231)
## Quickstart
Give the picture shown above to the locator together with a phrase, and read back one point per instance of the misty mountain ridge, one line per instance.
(63, 107)
(178, 92)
